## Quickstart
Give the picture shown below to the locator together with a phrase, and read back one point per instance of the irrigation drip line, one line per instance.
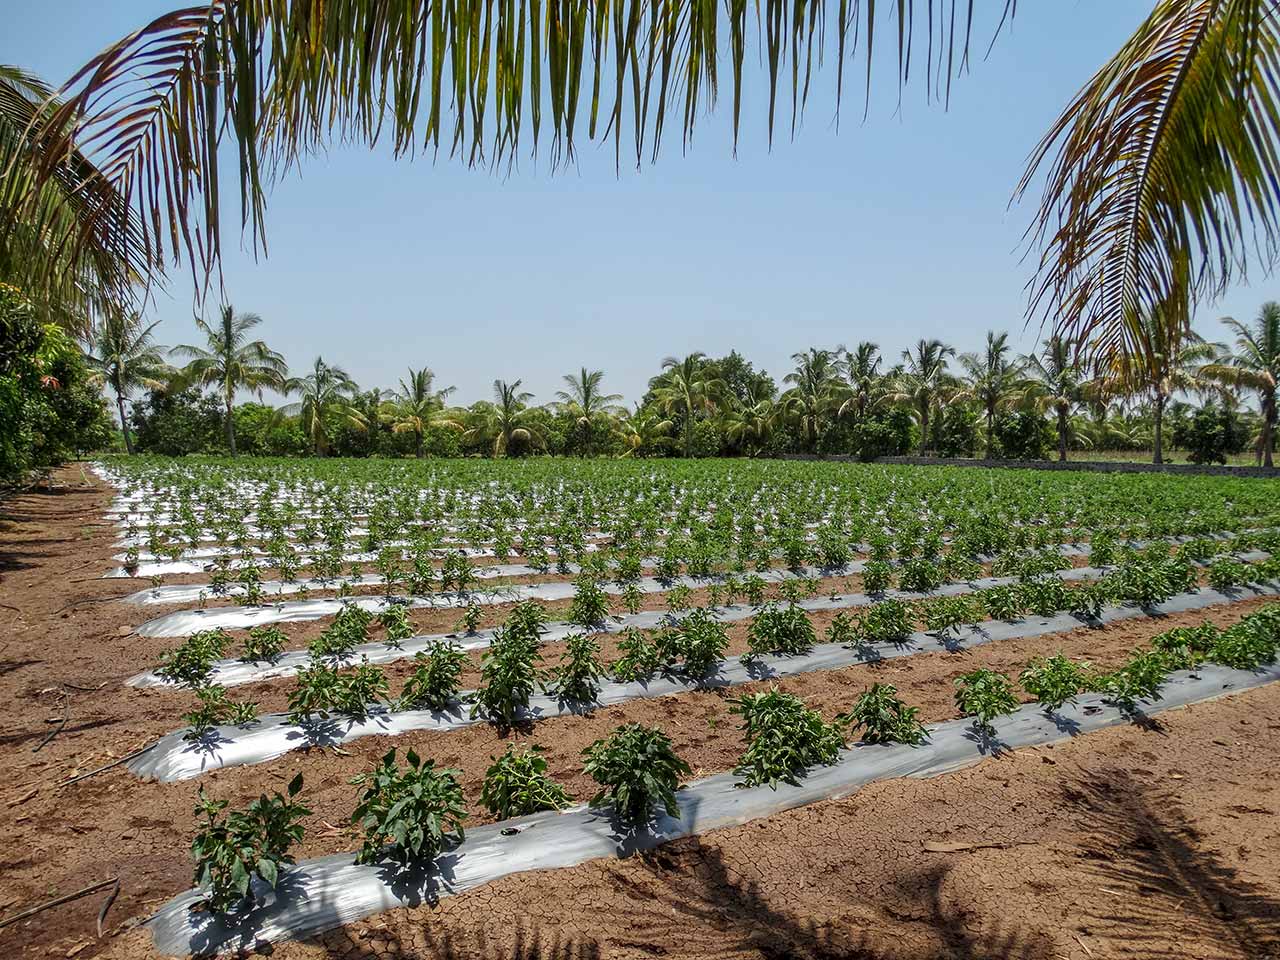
(318, 895)
(175, 758)
(58, 901)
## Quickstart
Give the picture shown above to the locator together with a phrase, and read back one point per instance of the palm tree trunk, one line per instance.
(924, 429)
(419, 450)
(124, 424)
(231, 428)
(1268, 426)
(1062, 433)
(1159, 414)
(991, 418)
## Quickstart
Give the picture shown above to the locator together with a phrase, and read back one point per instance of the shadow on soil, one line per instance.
(1177, 889)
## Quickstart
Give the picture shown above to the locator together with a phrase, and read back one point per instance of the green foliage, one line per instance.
(433, 685)
(216, 709)
(884, 718)
(264, 644)
(638, 770)
(1247, 645)
(190, 664)
(942, 614)
(1003, 603)
(517, 784)
(954, 432)
(1139, 679)
(701, 640)
(1044, 595)
(508, 677)
(1055, 680)
(640, 659)
(843, 630)
(394, 620)
(321, 689)
(1210, 434)
(339, 640)
(781, 630)
(409, 815)
(177, 423)
(985, 695)
(919, 575)
(784, 738)
(889, 621)
(577, 678)
(877, 575)
(590, 606)
(229, 850)
(1227, 573)
(1022, 436)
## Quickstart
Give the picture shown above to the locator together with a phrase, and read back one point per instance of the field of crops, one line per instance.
(383, 684)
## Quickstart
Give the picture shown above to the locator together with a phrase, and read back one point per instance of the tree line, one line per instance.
(1178, 389)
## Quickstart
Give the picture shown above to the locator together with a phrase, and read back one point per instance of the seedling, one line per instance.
(590, 606)
(264, 645)
(509, 675)
(638, 770)
(216, 709)
(517, 784)
(191, 663)
(639, 660)
(469, 622)
(1139, 679)
(701, 640)
(394, 620)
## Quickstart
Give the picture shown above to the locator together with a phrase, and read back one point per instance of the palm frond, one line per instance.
(482, 82)
(1162, 176)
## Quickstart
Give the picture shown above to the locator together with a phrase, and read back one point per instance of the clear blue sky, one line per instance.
(887, 230)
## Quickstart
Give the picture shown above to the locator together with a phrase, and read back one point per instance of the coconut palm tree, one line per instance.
(923, 381)
(815, 392)
(867, 389)
(1167, 362)
(230, 361)
(121, 351)
(327, 395)
(992, 380)
(68, 237)
(416, 408)
(749, 424)
(507, 419)
(1057, 383)
(643, 430)
(586, 403)
(683, 390)
(1255, 365)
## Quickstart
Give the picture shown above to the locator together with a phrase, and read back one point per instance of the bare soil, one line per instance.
(1130, 842)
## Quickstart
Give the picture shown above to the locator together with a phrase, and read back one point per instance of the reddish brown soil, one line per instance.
(846, 878)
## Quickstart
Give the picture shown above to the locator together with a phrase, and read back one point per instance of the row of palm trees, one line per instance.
(825, 388)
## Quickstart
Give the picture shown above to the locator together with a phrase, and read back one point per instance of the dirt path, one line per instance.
(1181, 820)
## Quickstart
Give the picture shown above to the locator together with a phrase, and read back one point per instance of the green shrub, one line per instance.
(408, 816)
(889, 621)
(883, 718)
(216, 709)
(637, 769)
(433, 685)
(590, 606)
(701, 640)
(394, 620)
(577, 678)
(1139, 679)
(191, 663)
(509, 675)
(780, 630)
(985, 695)
(1055, 680)
(784, 738)
(517, 784)
(229, 850)
(264, 645)
(639, 660)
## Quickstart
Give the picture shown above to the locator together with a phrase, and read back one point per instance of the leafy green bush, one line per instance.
(339, 640)
(590, 606)
(321, 689)
(229, 850)
(191, 663)
(701, 640)
(577, 678)
(985, 695)
(919, 575)
(264, 645)
(1246, 645)
(509, 675)
(1055, 680)
(1139, 679)
(843, 629)
(394, 620)
(1003, 603)
(639, 660)
(433, 685)
(1186, 647)
(1043, 595)
(1227, 573)
(637, 769)
(781, 630)
(517, 784)
(884, 718)
(784, 738)
(408, 816)
(942, 614)
(889, 621)
(216, 709)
